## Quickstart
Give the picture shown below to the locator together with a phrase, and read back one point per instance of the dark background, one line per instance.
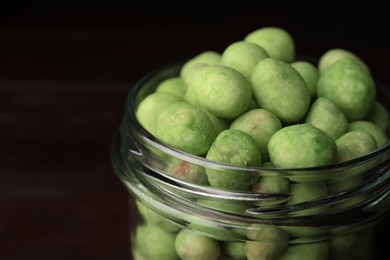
(64, 76)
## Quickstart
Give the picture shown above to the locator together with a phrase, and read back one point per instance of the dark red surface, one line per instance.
(64, 77)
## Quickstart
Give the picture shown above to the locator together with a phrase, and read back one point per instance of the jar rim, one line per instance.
(172, 68)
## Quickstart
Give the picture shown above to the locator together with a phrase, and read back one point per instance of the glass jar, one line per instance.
(334, 212)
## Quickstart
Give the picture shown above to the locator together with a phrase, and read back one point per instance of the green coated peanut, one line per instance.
(243, 56)
(154, 243)
(185, 127)
(193, 246)
(190, 67)
(333, 55)
(186, 171)
(235, 250)
(151, 106)
(379, 116)
(267, 241)
(261, 125)
(308, 251)
(221, 90)
(301, 145)
(153, 218)
(277, 42)
(310, 74)
(174, 85)
(279, 88)
(325, 115)
(370, 128)
(349, 86)
(236, 148)
(354, 144)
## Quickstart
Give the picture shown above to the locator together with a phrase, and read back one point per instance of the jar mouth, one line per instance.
(150, 80)
(140, 161)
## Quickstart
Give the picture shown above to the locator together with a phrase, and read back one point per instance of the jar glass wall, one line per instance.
(332, 212)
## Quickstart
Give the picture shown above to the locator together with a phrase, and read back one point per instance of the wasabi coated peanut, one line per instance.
(261, 125)
(173, 85)
(268, 241)
(333, 55)
(279, 88)
(151, 106)
(224, 206)
(186, 171)
(235, 250)
(379, 116)
(221, 90)
(237, 148)
(185, 127)
(354, 144)
(349, 86)
(325, 115)
(267, 233)
(304, 192)
(154, 243)
(213, 230)
(370, 128)
(277, 42)
(243, 56)
(351, 145)
(156, 219)
(191, 66)
(301, 145)
(310, 74)
(137, 255)
(307, 251)
(193, 246)
(220, 124)
(271, 184)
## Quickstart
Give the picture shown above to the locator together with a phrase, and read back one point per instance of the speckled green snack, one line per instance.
(151, 106)
(193, 246)
(261, 125)
(379, 116)
(349, 86)
(271, 184)
(186, 171)
(156, 219)
(308, 251)
(333, 55)
(205, 58)
(354, 144)
(213, 230)
(277, 42)
(236, 148)
(351, 145)
(301, 145)
(370, 128)
(173, 85)
(268, 241)
(279, 88)
(185, 127)
(310, 74)
(325, 115)
(221, 90)
(304, 192)
(154, 243)
(224, 206)
(220, 124)
(243, 56)
(235, 250)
